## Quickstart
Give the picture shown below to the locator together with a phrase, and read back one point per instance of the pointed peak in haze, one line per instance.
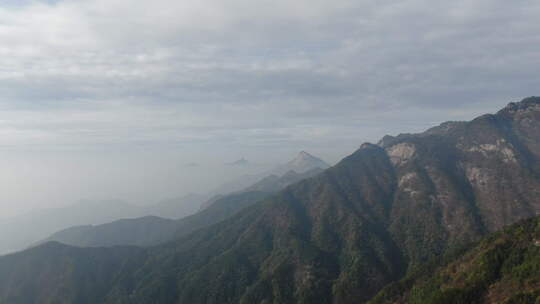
(241, 162)
(303, 162)
(304, 155)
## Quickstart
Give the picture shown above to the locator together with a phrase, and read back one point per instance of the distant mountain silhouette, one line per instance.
(302, 163)
(21, 231)
(239, 163)
(177, 207)
(147, 231)
(152, 230)
(275, 183)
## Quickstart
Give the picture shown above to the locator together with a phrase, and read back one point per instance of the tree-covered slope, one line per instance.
(502, 268)
(55, 274)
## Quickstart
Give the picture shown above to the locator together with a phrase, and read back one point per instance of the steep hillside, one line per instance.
(502, 268)
(341, 236)
(55, 273)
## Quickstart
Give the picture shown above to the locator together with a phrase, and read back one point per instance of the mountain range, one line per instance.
(242, 162)
(151, 230)
(376, 218)
(22, 231)
(302, 163)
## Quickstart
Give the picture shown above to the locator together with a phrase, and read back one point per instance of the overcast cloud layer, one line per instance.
(142, 87)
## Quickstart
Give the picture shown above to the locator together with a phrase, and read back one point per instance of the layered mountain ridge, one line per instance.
(151, 230)
(338, 237)
(303, 162)
(300, 165)
(23, 231)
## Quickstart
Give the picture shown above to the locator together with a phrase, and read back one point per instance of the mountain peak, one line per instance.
(304, 155)
(304, 158)
(303, 162)
(241, 162)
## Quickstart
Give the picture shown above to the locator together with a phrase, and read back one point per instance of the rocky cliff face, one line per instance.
(465, 179)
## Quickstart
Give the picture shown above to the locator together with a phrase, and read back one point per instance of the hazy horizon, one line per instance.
(147, 176)
(116, 99)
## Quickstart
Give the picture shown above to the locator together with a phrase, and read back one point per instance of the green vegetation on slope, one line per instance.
(502, 268)
(56, 274)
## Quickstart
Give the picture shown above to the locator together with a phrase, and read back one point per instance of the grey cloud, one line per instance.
(260, 76)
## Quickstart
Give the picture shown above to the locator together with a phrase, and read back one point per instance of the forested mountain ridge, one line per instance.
(503, 268)
(343, 235)
(56, 273)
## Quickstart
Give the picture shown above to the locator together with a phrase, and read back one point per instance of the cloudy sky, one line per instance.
(112, 98)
